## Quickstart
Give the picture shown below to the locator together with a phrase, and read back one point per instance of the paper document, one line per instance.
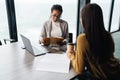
(54, 63)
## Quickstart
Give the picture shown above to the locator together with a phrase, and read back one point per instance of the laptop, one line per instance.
(36, 49)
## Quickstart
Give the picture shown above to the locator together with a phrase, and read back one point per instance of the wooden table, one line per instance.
(17, 64)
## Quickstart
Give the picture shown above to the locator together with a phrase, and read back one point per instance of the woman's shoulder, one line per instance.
(47, 22)
(81, 36)
(82, 41)
(63, 21)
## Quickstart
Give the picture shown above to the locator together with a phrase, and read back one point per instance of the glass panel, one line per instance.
(116, 16)
(31, 14)
(4, 33)
(105, 5)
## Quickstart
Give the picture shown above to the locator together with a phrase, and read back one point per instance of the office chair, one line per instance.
(10, 40)
(5, 41)
(70, 40)
(0, 43)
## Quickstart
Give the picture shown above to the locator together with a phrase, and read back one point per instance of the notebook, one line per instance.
(58, 62)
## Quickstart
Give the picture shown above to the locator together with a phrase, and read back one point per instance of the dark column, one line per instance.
(11, 20)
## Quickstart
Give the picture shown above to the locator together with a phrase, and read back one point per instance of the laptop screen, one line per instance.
(27, 44)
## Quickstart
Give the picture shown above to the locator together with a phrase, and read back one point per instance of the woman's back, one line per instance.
(95, 49)
(101, 59)
(103, 69)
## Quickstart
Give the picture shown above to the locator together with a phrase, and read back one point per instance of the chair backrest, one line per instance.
(70, 38)
(0, 43)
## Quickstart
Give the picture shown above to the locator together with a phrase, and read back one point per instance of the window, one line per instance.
(31, 14)
(105, 5)
(116, 16)
(4, 33)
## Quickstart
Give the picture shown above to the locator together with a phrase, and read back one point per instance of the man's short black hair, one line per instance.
(57, 7)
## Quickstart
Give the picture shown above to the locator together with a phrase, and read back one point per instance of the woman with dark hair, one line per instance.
(55, 27)
(95, 47)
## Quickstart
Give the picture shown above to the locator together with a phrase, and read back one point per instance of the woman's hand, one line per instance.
(70, 54)
(42, 41)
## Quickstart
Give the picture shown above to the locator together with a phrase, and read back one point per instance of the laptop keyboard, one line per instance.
(39, 48)
(36, 50)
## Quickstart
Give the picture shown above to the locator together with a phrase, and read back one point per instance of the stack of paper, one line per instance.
(54, 63)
